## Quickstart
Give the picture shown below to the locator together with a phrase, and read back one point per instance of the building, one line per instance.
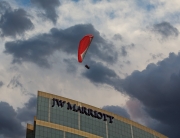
(59, 117)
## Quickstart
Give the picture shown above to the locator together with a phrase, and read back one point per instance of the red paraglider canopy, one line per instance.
(83, 46)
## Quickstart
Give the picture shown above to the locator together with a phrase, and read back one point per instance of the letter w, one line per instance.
(60, 103)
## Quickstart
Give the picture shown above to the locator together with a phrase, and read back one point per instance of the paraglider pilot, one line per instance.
(87, 66)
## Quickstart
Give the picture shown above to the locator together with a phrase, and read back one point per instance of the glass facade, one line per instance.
(119, 129)
(45, 132)
(59, 122)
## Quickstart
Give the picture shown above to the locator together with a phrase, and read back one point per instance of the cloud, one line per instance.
(117, 37)
(71, 65)
(99, 73)
(15, 83)
(4, 6)
(127, 62)
(14, 22)
(117, 110)
(49, 7)
(75, 0)
(165, 29)
(124, 49)
(1, 83)
(135, 108)
(146, 5)
(27, 112)
(11, 120)
(137, 113)
(170, 131)
(37, 49)
(155, 56)
(10, 126)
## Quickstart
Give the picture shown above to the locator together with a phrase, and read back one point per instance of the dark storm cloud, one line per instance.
(158, 82)
(165, 29)
(10, 126)
(1, 83)
(100, 74)
(117, 110)
(157, 88)
(13, 22)
(49, 7)
(27, 112)
(10, 120)
(170, 131)
(40, 47)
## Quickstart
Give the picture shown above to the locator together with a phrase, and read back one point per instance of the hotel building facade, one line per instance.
(59, 117)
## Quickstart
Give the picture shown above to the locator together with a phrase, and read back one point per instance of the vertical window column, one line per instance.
(106, 130)
(49, 110)
(79, 120)
(132, 131)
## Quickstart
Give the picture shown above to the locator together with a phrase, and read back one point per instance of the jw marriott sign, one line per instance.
(83, 110)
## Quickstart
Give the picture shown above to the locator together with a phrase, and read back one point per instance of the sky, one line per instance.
(134, 59)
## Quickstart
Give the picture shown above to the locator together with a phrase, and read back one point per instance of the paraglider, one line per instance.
(83, 48)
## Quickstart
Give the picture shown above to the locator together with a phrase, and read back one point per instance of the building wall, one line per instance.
(52, 122)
